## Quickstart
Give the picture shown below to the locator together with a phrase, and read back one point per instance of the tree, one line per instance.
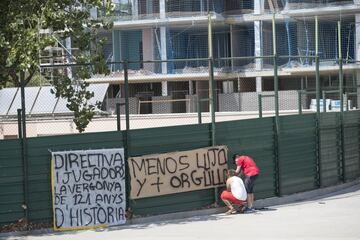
(22, 27)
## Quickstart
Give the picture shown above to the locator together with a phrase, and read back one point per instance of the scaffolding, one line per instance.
(304, 4)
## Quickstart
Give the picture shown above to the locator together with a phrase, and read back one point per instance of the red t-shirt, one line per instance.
(248, 166)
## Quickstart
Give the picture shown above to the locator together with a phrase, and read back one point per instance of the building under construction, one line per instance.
(166, 44)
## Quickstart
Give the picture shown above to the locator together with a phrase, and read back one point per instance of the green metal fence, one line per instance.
(295, 153)
(255, 138)
(12, 182)
(288, 158)
(329, 148)
(351, 145)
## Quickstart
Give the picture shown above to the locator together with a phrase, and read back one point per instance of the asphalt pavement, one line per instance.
(332, 216)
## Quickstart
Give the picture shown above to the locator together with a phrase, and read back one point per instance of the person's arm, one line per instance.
(238, 170)
(228, 184)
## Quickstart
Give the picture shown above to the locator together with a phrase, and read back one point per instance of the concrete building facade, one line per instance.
(150, 34)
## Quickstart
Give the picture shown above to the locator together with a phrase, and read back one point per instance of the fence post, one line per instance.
(211, 94)
(299, 102)
(276, 95)
(276, 79)
(211, 81)
(277, 187)
(212, 102)
(324, 100)
(126, 136)
(24, 147)
(126, 82)
(198, 106)
(19, 111)
(341, 90)
(318, 153)
(260, 104)
(118, 123)
(317, 120)
(317, 67)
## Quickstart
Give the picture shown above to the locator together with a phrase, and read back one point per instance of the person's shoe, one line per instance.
(231, 211)
(249, 210)
(242, 209)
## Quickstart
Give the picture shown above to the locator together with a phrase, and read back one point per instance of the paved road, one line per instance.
(334, 216)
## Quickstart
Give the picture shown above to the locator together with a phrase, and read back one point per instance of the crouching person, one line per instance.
(235, 193)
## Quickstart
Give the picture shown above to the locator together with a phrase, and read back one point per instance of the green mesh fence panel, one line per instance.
(256, 139)
(11, 182)
(297, 157)
(351, 145)
(330, 148)
(40, 206)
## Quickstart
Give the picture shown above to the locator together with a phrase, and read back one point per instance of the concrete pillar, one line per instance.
(164, 88)
(228, 86)
(357, 37)
(163, 57)
(191, 90)
(134, 9)
(162, 9)
(258, 53)
(203, 7)
(68, 56)
(163, 54)
(238, 83)
(232, 47)
(259, 84)
(116, 39)
(258, 6)
(258, 9)
(357, 55)
(202, 91)
(148, 42)
(163, 44)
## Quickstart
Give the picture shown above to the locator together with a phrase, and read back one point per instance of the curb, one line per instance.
(309, 195)
(274, 201)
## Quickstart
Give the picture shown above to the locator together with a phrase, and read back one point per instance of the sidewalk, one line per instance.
(330, 213)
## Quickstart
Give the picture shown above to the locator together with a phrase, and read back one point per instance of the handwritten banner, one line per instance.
(155, 175)
(88, 188)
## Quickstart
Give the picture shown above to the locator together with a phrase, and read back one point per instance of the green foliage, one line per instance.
(28, 26)
(38, 80)
(78, 98)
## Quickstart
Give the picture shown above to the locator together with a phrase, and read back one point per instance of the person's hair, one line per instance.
(230, 173)
(236, 155)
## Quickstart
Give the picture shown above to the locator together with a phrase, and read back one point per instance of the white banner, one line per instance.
(174, 172)
(88, 188)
